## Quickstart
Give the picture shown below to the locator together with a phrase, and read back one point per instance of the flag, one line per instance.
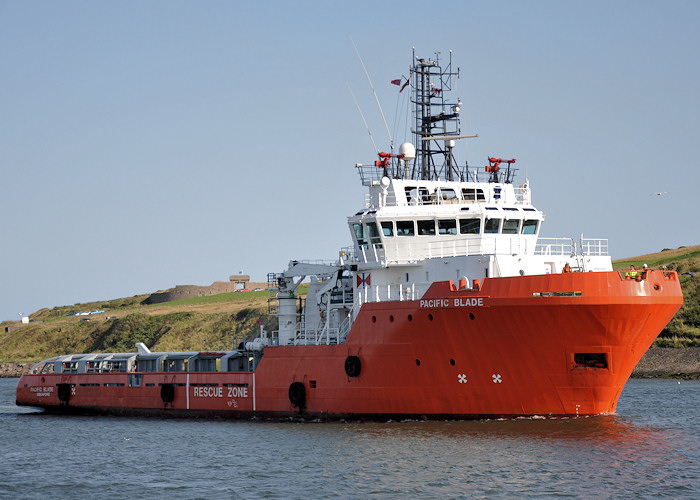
(404, 85)
(396, 82)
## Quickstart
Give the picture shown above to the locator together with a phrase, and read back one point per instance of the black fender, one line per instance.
(353, 366)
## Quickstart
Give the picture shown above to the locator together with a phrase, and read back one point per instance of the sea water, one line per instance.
(650, 448)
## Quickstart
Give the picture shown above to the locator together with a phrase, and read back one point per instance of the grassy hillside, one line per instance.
(222, 321)
(206, 323)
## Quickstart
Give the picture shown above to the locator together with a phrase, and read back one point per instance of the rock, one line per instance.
(12, 370)
(668, 362)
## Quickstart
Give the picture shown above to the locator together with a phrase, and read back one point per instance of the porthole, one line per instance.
(471, 316)
(452, 362)
(374, 319)
(410, 317)
(417, 362)
(657, 287)
(391, 318)
(430, 316)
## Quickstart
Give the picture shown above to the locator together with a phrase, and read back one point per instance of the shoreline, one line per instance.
(657, 362)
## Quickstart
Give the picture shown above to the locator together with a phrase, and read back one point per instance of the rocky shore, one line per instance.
(11, 370)
(669, 362)
(657, 362)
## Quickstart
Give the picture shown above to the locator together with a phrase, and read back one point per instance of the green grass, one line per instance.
(221, 297)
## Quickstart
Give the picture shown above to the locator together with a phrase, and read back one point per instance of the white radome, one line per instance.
(408, 150)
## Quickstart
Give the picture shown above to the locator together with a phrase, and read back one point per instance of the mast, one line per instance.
(436, 120)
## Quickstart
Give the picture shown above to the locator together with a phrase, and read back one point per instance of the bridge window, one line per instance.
(405, 228)
(373, 233)
(426, 227)
(510, 226)
(447, 226)
(388, 228)
(359, 234)
(529, 227)
(492, 226)
(469, 226)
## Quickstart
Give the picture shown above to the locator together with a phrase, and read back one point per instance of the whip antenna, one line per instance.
(391, 141)
(363, 119)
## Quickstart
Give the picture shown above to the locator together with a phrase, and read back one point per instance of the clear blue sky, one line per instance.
(149, 144)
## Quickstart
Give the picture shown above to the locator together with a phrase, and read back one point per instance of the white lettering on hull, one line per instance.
(459, 302)
(218, 392)
(41, 391)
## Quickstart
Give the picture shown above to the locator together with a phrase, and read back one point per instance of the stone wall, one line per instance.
(190, 291)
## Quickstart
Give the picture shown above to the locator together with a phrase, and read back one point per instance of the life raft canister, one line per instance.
(353, 366)
(63, 393)
(167, 393)
(297, 394)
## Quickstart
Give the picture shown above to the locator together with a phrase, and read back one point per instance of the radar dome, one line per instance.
(408, 150)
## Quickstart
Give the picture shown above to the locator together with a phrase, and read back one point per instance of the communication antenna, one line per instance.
(363, 119)
(391, 141)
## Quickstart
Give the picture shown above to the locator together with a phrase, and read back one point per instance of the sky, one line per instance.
(150, 144)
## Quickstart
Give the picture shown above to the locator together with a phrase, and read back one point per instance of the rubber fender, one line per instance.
(297, 394)
(353, 366)
(167, 393)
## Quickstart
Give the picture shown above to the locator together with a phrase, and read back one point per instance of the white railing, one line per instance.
(555, 246)
(567, 246)
(389, 292)
(594, 246)
(404, 251)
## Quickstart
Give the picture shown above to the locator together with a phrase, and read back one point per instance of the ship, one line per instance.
(447, 305)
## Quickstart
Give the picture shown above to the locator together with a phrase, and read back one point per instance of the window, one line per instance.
(205, 364)
(471, 194)
(417, 195)
(359, 234)
(492, 226)
(405, 228)
(146, 365)
(70, 367)
(529, 227)
(448, 194)
(469, 226)
(373, 232)
(426, 227)
(510, 226)
(388, 228)
(174, 365)
(114, 366)
(447, 226)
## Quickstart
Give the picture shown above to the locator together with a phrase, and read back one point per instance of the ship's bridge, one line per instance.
(406, 221)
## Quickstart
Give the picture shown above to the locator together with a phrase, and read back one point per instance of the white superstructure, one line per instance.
(426, 219)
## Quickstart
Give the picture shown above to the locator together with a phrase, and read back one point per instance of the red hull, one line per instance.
(534, 345)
